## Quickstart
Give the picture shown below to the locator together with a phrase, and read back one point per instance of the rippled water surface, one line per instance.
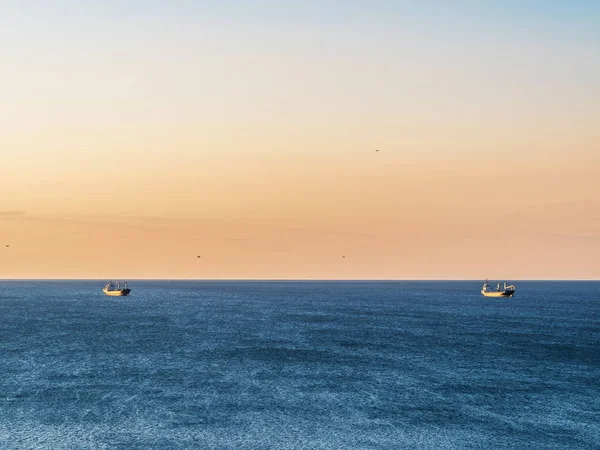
(241, 365)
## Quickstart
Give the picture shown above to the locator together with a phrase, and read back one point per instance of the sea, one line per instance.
(299, 365)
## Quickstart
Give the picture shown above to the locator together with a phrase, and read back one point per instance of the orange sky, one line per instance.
(252, 144)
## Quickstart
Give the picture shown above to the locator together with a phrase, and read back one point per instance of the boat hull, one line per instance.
(498, 294)
(117, 293)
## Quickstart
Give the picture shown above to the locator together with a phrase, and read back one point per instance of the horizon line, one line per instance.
(298, 279)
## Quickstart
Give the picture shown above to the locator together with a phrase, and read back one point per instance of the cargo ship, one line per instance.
(115, 290)
(508, 291)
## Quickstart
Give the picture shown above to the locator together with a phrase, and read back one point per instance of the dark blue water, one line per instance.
(329, 365)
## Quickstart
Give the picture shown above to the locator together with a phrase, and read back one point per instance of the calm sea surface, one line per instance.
(299, 365)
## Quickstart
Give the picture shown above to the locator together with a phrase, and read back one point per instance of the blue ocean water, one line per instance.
(299, 365)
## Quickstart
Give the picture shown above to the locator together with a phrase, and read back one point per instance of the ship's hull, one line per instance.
(497, 294)
(117, 293)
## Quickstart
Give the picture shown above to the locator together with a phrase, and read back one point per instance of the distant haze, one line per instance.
(136, 137)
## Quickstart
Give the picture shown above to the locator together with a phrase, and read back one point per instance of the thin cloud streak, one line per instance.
(12, 214)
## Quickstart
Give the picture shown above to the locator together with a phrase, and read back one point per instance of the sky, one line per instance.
(136, 136)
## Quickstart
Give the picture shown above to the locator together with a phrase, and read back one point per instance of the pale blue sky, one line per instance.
(510, 12)
(70, 64)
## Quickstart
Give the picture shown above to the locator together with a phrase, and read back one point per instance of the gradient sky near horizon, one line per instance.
(136, 136)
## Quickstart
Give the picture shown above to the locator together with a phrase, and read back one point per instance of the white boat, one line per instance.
(115, 290)
(508, 291)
